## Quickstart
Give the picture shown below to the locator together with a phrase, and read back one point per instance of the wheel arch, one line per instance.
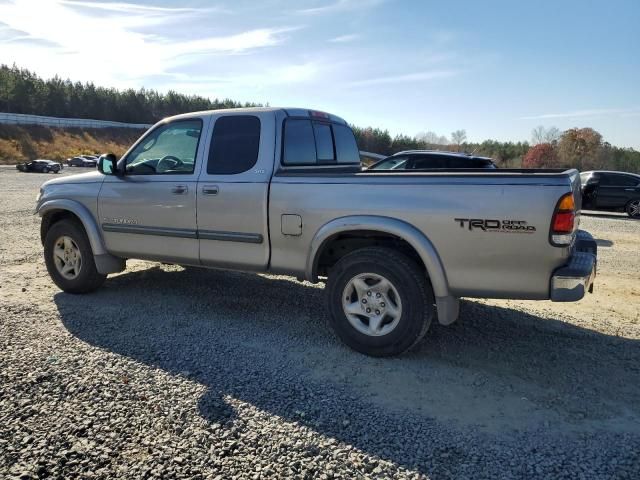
(371, 226)
(56, 210)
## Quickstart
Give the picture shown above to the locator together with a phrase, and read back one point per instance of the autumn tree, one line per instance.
(581, 148)
(542, 155)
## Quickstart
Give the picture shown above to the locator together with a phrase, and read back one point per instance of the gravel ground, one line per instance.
(169, 373)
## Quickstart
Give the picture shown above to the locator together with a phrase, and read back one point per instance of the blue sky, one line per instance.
(494, 68)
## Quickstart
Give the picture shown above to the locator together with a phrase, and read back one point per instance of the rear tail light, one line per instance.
(563, 223)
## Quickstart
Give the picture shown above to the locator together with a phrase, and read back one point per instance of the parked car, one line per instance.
(431, 159)
(611, 191)
(281, 191)
(83, 161)
(40, 165)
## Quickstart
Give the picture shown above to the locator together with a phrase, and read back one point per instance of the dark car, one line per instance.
(611, 191)
(43, 166)
(428, 159)
(83, 161)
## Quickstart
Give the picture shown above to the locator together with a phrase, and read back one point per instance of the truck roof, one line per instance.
(440, 152)
(290, 112)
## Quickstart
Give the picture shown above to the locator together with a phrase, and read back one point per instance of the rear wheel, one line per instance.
(633, 208)
(380, 301)
(69, 258)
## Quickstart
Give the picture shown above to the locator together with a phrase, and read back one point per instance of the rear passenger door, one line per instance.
(233, 189)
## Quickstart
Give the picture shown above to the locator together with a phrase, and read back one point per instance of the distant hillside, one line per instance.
(20, 143)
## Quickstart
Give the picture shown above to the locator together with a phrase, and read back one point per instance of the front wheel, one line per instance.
(69, 258)
(633, 208)
(380, 301)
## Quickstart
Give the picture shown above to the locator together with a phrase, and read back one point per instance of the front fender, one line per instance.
(399, 228)
(80, 211)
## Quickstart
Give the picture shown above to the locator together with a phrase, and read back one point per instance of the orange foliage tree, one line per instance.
(543, 155)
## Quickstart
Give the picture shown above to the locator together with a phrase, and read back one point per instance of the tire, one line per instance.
(410, 294)
(86, 278)
(45, 170)
(633, 208)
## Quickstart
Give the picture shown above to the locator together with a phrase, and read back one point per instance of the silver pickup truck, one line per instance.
(281, 191)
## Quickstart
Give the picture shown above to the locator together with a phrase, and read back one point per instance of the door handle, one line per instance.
(210, 190)
(630, 189)
(179, 189)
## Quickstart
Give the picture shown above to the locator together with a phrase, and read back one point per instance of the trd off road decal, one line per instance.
(504, 226)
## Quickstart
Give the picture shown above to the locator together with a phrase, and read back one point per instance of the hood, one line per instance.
(90, 177)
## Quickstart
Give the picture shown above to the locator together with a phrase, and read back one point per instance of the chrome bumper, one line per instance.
(571, 282)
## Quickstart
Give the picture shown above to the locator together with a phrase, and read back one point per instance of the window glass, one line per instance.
(324, 142)
(393, 163)
(299, 144)
(621, 180)
(234, 145)
(169, 149)
(427, 161)
(346, 146)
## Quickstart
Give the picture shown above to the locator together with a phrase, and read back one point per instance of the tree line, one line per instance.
(22, 91)
(581, 148)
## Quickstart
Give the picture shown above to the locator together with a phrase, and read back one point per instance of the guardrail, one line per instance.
(24, 119)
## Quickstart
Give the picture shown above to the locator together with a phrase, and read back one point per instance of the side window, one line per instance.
(622, 181)
(346, 146)
(299, 143)
(427, 162)
(324, 142)
(605, 179)
(169, 149)
(234, 145)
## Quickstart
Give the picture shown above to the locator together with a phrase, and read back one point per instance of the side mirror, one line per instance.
(108, 164)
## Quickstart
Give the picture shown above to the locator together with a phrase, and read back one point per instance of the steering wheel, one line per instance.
(172, 162)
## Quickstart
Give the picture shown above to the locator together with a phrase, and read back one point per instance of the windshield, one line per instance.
(390, 163)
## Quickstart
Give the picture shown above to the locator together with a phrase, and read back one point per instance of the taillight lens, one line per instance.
(563, 224)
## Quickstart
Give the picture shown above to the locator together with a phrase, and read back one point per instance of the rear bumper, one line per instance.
(571, 282)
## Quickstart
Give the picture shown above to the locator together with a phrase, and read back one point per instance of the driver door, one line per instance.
(150, 211)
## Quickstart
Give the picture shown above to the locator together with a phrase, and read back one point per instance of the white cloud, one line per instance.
(340, 6)
(405, 78)
(126, 7)
(107, 47)
(345, 38)
(596, 112)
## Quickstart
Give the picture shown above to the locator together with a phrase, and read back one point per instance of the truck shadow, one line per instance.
(265, 342)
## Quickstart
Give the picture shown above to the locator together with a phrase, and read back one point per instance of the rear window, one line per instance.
(309, 142)
(234, 145)
(324, 142)
(299, 143)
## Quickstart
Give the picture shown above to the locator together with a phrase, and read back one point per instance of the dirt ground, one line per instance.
(505, 369)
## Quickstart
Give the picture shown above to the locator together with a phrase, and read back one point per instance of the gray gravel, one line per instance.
(172, 373)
